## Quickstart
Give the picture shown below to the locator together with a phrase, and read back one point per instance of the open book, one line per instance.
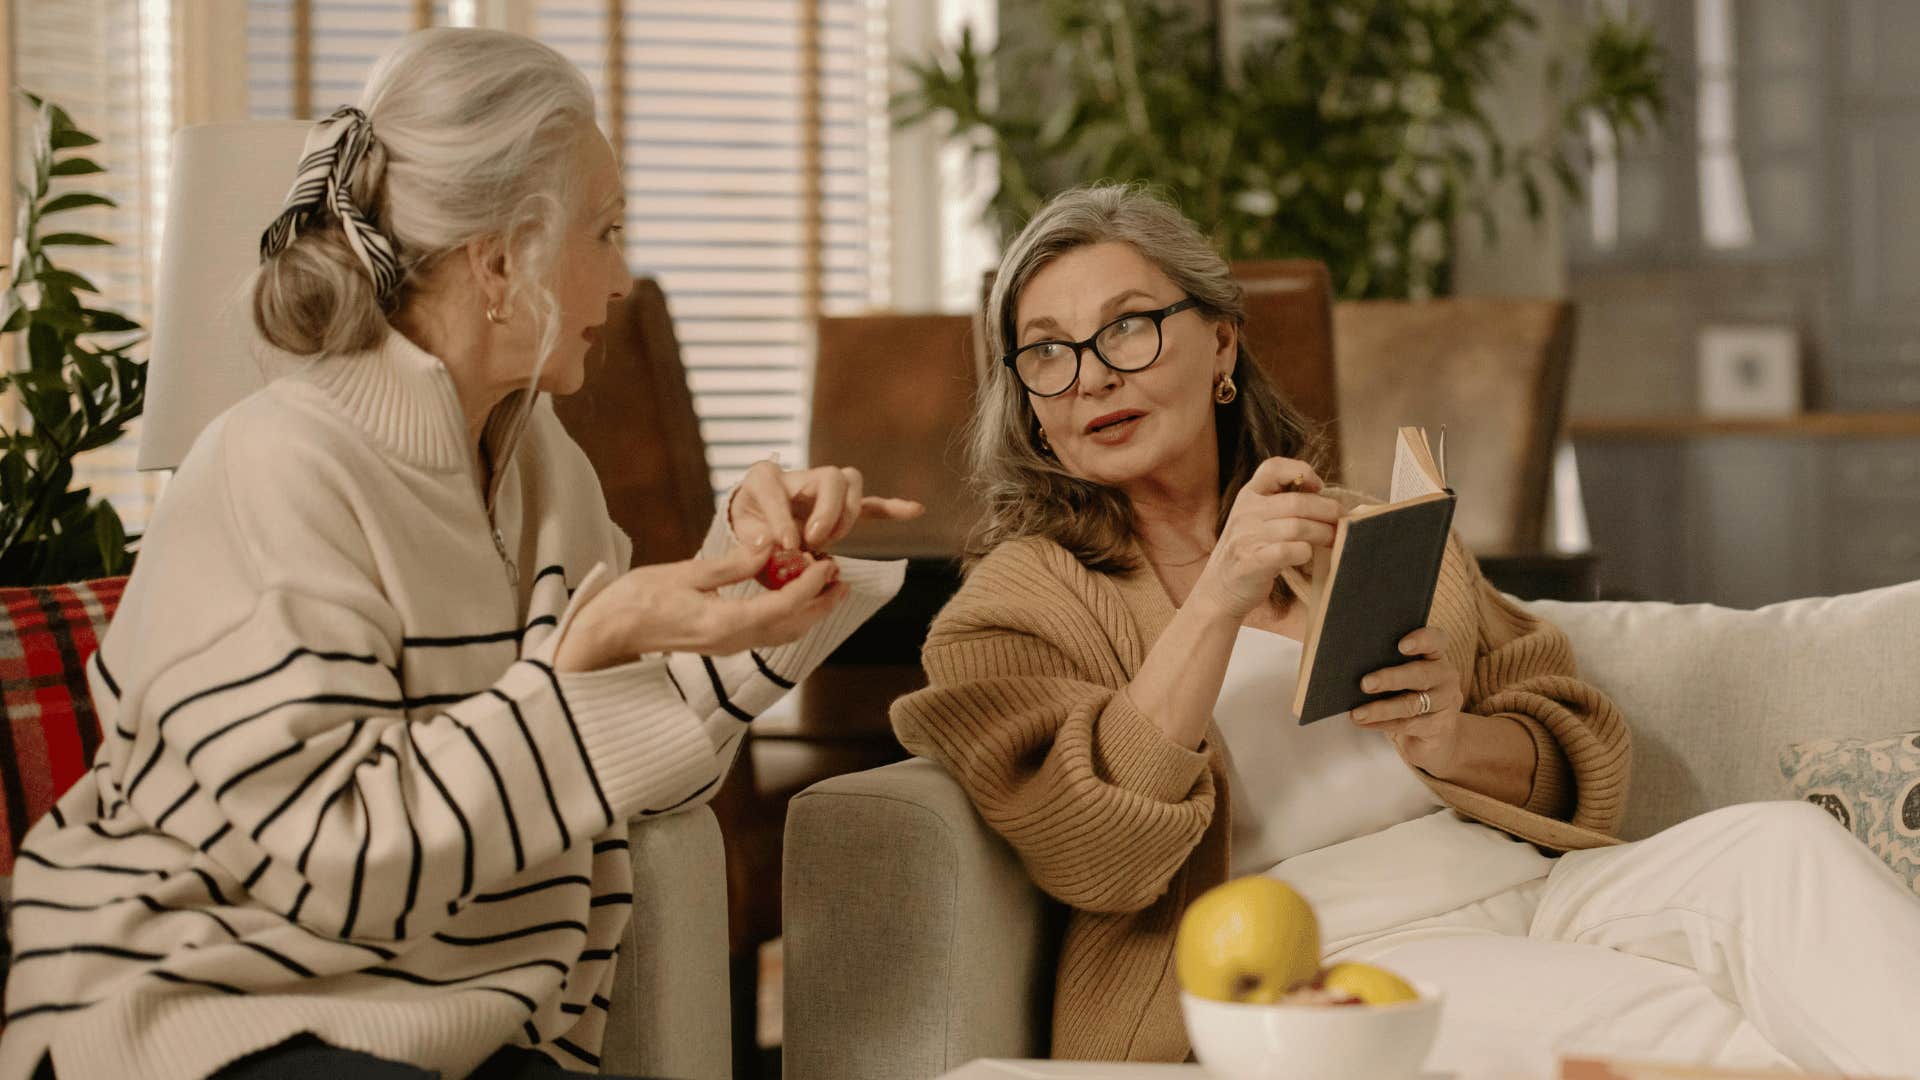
(1378, 582)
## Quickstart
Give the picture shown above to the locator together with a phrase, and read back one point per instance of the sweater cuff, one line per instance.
(719, 539)
(1137, 756)
(1553, 787)
(642, 742)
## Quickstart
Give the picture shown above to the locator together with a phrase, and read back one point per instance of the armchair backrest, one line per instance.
(635, 420)
(891, 396)
(1289, 332)
(1493, 371)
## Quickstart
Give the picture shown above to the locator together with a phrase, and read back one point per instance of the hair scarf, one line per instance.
(321, 184)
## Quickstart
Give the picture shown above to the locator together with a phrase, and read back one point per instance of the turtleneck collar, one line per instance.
(403, 397)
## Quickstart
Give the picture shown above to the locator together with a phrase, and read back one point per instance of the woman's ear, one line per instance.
(1226, 347)
(487, 262)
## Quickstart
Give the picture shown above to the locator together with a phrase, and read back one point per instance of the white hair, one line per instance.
(472, 137)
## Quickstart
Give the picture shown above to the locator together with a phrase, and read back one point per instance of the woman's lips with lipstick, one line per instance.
(1114, 427)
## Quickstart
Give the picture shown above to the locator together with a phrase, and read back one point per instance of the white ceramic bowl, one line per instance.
(1313, 1042)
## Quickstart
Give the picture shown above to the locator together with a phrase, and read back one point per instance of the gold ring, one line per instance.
(1426, 704)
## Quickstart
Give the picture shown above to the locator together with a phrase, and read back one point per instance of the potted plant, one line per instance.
(1355, 133)
(72, 386)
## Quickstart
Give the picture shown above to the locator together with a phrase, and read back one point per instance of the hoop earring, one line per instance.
(495, 317)
(1224, 391)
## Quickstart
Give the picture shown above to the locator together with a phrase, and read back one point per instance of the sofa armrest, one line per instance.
(671, 1009)
(914, 940)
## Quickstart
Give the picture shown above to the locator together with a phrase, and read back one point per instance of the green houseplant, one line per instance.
(1355, 132)
(73, 385)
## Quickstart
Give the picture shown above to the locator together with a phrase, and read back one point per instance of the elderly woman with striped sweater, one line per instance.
(383, 696)
(1109, 687)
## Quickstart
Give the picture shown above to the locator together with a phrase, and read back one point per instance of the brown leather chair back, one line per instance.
(1289, 332)
(1493, 370)
(635, 420)
(891, 397)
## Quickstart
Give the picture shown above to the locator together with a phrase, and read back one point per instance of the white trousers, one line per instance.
(1756, 935)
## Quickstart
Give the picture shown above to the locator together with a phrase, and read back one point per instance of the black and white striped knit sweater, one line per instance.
(341, 789)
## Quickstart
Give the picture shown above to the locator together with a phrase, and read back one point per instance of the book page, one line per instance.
(1413, 471)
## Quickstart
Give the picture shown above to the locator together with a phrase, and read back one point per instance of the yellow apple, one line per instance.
(1249, 940)
(1372, 985)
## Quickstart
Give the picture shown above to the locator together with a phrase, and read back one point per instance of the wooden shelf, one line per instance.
(1819, 424)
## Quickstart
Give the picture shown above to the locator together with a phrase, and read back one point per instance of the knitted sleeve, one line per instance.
(1026, 708)
(364, 804)
(1522, 667)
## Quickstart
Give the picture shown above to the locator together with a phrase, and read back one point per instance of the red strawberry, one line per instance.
(782, 566)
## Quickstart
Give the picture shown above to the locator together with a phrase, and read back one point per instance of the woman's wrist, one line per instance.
(1440, 754)
(591, 644)
(1493, 755)
(1204, 607)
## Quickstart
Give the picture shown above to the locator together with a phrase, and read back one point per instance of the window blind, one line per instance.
(333, 43)
(270, 51)
(107, 63)
(715, 148)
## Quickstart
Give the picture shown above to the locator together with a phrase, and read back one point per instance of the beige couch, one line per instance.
(915, 943)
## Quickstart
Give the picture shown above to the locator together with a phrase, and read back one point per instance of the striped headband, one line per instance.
(333, 150)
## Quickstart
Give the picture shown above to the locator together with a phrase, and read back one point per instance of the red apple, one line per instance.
(782, 566)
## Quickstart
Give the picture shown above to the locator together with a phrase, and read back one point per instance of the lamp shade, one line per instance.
(227, 182)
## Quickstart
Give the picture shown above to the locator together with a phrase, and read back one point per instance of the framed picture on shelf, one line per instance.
(1750, 371)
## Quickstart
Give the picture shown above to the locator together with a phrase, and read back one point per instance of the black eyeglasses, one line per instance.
(1127, 344)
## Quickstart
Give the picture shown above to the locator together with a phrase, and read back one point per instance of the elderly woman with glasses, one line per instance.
(1109, 684)
(384, 696)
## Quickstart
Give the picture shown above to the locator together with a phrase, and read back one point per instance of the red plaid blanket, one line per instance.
(51, 731)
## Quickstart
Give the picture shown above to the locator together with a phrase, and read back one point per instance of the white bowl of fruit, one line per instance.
(1259, 1005)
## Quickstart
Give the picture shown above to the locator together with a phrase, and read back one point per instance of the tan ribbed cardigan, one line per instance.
(1026, 708)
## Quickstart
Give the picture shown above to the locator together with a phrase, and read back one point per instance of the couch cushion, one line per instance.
(51, 731)
(1712, 694)
(1872, 786)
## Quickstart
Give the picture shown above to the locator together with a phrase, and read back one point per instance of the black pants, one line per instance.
(305, 1057)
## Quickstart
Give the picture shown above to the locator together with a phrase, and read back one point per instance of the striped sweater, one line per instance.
(1027, 709)
(341, 787)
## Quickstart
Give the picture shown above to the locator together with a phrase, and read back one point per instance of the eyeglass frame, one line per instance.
(1080, 347)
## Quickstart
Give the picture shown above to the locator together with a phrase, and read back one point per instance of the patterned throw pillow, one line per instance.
(51, 730)
(1871, 787)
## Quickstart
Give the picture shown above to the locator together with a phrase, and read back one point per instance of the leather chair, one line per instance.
(892, 394)
(1289, 332)
(635, 420)
(1493, 371)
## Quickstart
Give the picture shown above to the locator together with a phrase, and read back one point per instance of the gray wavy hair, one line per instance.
(1028, 493)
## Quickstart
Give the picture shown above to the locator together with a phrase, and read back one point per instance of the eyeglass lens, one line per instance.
(1126, 344)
